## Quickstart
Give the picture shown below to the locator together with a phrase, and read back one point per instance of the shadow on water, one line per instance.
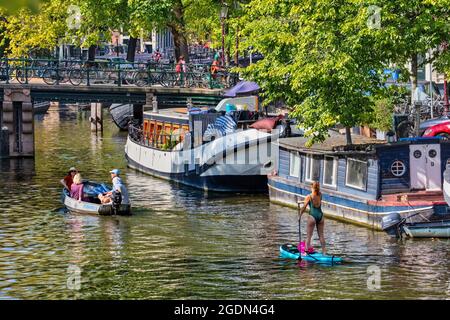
(20, 169)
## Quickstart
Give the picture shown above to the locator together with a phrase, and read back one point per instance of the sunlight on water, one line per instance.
(180, 242)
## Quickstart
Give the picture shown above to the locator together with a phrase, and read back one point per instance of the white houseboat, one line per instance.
(215, 149)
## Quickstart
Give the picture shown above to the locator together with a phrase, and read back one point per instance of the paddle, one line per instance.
(299, 231)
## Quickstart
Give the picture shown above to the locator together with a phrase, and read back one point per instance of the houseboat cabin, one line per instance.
(366, 180)
(165, 130)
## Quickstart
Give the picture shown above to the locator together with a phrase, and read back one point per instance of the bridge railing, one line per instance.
(120, 73)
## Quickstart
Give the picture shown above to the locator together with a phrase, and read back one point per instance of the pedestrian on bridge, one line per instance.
(180, 69)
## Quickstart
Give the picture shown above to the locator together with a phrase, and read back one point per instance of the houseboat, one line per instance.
(365, 181)
(218, 149)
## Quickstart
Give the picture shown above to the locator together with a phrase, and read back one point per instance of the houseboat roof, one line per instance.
(333, 144)
(175, 113)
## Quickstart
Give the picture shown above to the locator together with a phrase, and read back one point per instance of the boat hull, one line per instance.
(428, 230)
(207, 168)
(93, 208)
(345, 207)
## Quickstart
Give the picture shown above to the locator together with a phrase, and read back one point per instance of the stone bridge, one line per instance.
(16, 106)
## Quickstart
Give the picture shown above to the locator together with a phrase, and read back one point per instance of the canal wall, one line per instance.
(17, 117)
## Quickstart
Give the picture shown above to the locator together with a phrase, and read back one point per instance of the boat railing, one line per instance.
(158, 140)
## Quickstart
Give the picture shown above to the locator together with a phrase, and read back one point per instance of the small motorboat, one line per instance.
(395, 225)
(91, 190)
(121, 114)
(432, 229)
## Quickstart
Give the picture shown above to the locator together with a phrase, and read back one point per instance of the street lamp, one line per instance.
(223, 16)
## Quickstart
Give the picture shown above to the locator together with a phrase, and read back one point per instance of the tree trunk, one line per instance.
(348, 135)
(181, 45)
(445, 96)
(91, 53)
(413, 77)
(236, 53)
(178, 31)
(131, 51)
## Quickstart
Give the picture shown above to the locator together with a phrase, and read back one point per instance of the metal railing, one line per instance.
(120, 73)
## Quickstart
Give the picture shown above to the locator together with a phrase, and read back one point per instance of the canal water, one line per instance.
(180, 243)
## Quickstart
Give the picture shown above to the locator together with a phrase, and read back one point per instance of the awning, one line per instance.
(241, 89)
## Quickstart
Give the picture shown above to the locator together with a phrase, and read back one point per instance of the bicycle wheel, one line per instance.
(20, 76)
(168, 79)
(76, 77)
(129, 77)
(405, 129)
(49, 76)
(141, 79)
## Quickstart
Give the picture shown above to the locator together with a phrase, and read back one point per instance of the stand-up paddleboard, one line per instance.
(290, 251)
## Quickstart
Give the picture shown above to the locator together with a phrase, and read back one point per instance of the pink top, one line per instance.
(76, 191)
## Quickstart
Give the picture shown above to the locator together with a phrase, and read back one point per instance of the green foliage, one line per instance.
(318, 58)
(325, 60)
(27, 32)
(382, 114)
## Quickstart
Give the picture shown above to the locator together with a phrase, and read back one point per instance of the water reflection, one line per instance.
(180, 243)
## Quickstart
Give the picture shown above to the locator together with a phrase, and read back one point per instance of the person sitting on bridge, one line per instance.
(118, 186)
(68, 179)
(157, 55)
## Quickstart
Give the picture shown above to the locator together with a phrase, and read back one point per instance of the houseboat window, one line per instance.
(330, 171)
(398, 168)
(312, 172)
(294, 165)
(356, 175)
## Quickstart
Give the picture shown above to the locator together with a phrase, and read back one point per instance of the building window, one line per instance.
(294, 165)
(398, 168)
(330, 171)
(356, 175)
(312, 171)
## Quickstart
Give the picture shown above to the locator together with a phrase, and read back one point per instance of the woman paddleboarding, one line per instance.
(315, 218)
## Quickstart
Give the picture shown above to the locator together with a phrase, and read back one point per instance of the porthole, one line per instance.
(417, 154)
(432, 153)
(398, 168)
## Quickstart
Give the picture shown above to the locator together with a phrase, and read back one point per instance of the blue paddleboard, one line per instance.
(290, 251)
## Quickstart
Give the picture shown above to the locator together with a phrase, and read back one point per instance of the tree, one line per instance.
(320, 57)
(150, 14)
(27, 32)
(412, 28)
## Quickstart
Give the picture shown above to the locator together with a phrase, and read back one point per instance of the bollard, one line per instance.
(4, 142)
(155, 104)
(96, 117)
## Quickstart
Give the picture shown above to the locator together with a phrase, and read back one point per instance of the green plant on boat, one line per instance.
(170, 142)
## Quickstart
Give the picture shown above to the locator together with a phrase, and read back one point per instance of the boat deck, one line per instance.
(419, 197)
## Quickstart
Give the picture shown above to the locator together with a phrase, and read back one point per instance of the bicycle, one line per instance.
(55, 74)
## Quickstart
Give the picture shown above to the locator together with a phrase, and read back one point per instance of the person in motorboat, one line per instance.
(68, 179)
(118, 187)
(76, 189)
(315, 218)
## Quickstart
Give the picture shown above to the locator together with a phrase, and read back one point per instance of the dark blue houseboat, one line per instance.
(363, 182)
